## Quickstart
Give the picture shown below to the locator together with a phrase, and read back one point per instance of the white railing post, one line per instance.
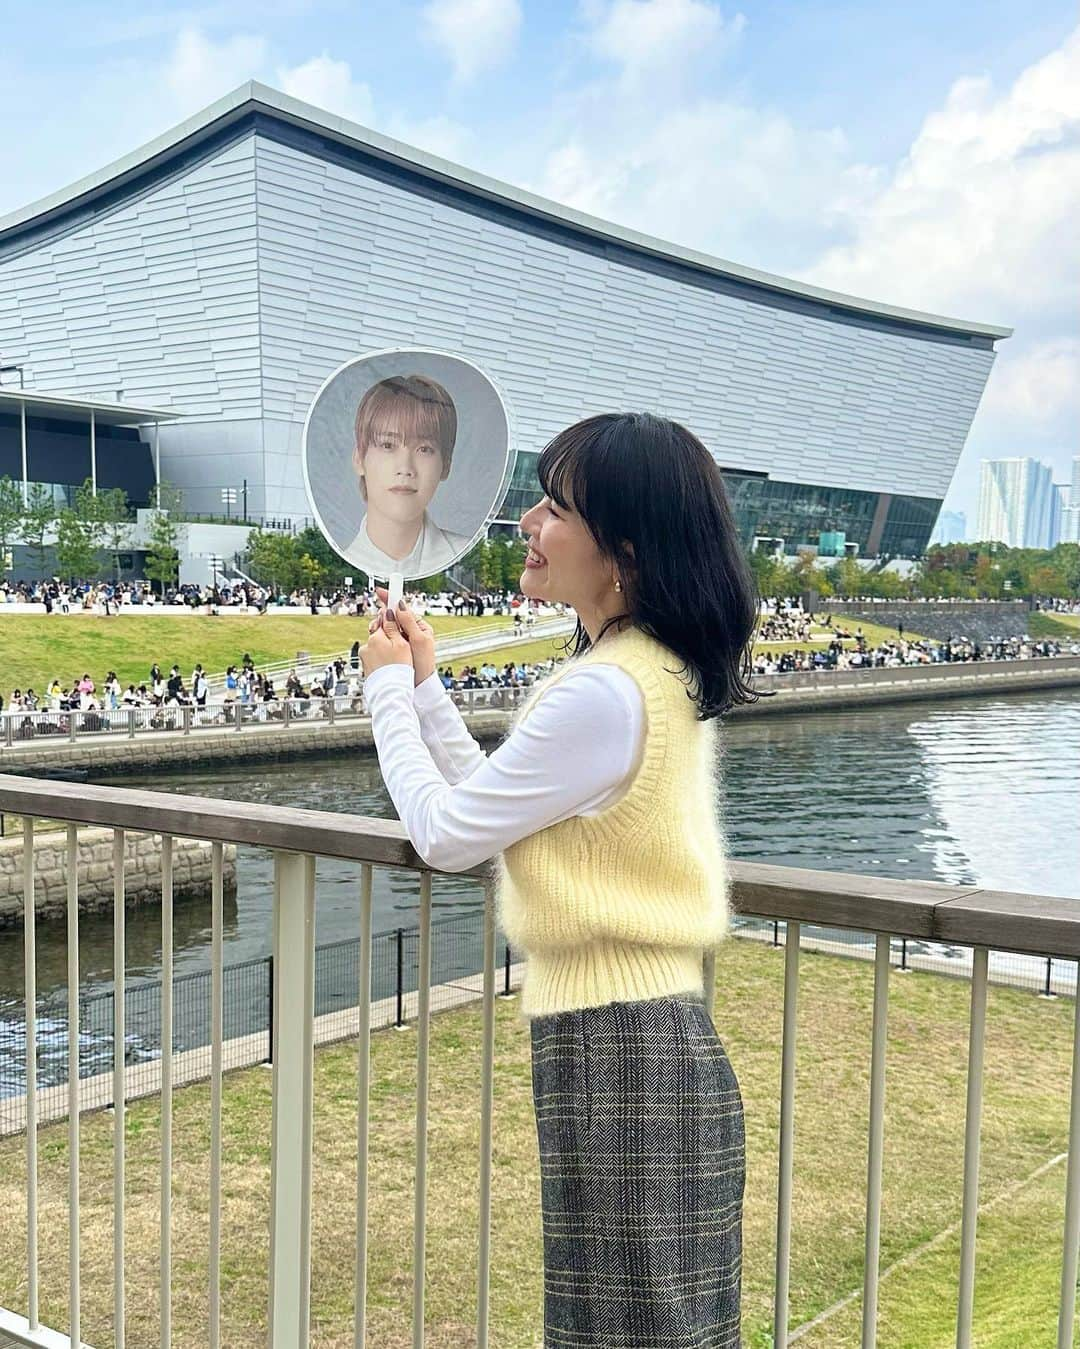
(30, 1000)
(119, 1085)
(487, 1102)
(972, 1123)
(74, 1296)
(165, 1293)
(217, 1021)
(1067, 1311)
(787, 1137)
(423, 1044)
(877, 1141)
(363, 1107)
(290, 1157)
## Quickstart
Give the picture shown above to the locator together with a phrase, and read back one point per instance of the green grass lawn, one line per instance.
(34, 648)
(523, 650)
(1064, 626)
(1025, 1125)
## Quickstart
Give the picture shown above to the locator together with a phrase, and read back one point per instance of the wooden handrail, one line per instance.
(965, 915)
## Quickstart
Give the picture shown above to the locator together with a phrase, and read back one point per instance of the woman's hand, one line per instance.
(386, 646)
(418, 633)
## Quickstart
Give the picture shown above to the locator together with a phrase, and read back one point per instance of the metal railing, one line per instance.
(23, 728)
(19, 728)
(248, 1017)
(449, 645)
(959, 916)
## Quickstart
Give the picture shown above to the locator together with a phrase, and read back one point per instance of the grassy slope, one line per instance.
(1025, 1123)
(524, 650)
(33, 648)
(1065, 626)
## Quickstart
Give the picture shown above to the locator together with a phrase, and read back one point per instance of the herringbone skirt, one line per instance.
(642, 1169)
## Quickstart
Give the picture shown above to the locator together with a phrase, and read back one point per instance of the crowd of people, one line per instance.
(108, 598)
(891, 653)
(166, 691)
(338, 687)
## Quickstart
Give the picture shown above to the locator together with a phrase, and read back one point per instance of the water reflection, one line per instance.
(979, 791)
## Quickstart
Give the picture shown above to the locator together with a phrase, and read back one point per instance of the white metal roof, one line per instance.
(60, 405)
(256, 97)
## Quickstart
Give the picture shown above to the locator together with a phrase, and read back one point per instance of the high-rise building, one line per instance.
(1070, 510)
(951, 527)
(1016, 502)
(1059, 501)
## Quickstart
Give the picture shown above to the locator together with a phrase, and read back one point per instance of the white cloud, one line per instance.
(1036, 387)
(642, 37)
(980, 216)
(476, 35)
(979, 221)
(329, 84)
(438, 135)
(199, 70)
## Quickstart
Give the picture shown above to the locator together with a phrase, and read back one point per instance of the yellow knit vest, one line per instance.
(618, 907)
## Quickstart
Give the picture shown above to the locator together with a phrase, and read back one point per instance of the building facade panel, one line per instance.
(229, 279)
(566, 332)
(113, 304)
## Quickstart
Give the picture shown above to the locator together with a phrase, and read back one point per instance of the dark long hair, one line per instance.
(644, 481)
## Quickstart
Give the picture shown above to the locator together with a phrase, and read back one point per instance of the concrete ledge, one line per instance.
(108, 753)
(142, 871)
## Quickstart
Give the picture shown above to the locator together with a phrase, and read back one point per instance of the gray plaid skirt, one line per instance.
(642, 1170)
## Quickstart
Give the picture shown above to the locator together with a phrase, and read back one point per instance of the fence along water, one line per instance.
(959, 916)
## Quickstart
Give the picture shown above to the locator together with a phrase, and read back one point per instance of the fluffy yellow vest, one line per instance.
(619, 906)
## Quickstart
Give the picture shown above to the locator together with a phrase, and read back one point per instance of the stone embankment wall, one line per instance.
(142, 871)
(975, 620)
(824, 691)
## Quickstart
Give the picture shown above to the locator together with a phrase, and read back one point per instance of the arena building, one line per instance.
(216, 276)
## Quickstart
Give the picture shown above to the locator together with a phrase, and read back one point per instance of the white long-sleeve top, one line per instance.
(575, 754)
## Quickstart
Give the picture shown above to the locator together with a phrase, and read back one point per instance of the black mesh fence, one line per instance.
(247, 1012)
(456, 965)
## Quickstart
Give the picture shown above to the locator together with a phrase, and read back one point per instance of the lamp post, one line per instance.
(215, 564)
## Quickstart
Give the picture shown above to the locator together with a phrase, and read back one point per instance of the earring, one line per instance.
(618, 585)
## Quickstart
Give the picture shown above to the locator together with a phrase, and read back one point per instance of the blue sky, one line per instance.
(927, 154)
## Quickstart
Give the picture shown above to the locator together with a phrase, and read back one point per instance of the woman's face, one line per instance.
(401, 471)
(563, 563)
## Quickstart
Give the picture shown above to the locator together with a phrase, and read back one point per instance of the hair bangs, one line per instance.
(411, 406)
(561, 471)
(401, 415)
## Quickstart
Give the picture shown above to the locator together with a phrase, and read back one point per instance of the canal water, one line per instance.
(982, 791)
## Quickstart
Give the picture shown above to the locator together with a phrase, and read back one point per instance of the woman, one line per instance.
(613, 879)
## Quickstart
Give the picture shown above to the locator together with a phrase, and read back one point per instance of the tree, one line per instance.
(76, 555)
(496, 565)
(432, 585)
(333, 568)
(475, 562)
(848, 578)
(11, 509)
(90, 507)
(166, 496)
(514, 563)
(115, 524)
(162, 559)
(279, 561)
(39, 514)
